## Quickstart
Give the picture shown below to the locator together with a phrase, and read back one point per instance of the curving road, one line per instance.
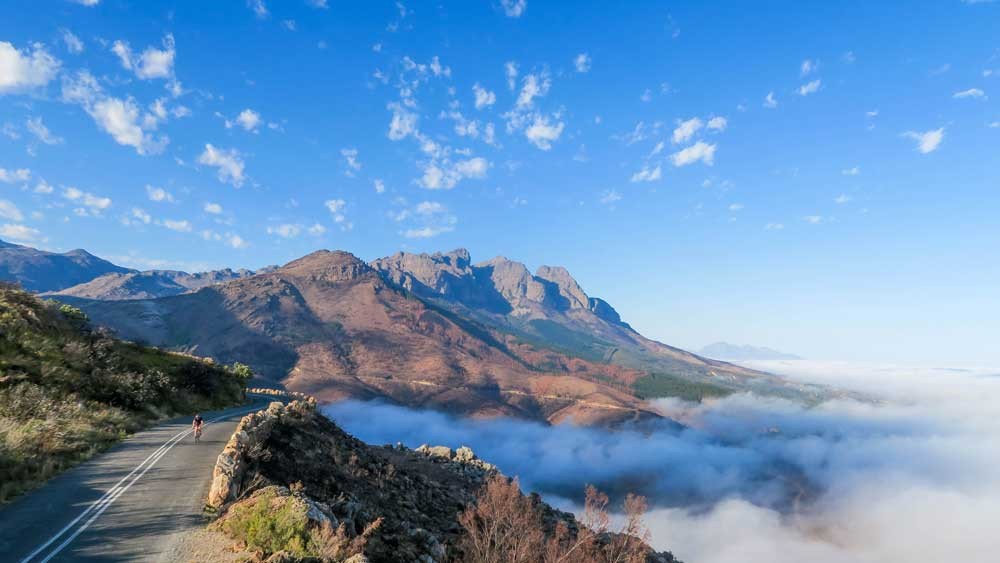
(131, 503)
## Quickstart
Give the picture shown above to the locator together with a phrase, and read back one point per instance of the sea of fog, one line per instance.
(913, 477)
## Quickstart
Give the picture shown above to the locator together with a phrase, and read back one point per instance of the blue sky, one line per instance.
(819, 178)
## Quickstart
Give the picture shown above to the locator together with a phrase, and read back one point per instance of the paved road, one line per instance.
(131, 503)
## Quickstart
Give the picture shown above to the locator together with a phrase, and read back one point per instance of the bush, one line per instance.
(506, 526)
(275, 521)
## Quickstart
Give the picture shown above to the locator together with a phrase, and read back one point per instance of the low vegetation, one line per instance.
(659, 385)
(276, 520)
(67, 391)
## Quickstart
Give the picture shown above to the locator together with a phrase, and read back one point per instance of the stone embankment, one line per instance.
(250, 435)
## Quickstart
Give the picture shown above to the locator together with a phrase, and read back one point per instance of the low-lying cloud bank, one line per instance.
(915, 478)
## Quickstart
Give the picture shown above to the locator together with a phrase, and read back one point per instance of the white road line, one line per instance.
(106, 500)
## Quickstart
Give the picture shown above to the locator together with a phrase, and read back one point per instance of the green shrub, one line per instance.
(270, 524)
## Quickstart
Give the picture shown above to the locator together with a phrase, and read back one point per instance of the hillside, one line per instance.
(434, 331)
(330, 325)
(67, 392)
(292, 486)
(38, 270)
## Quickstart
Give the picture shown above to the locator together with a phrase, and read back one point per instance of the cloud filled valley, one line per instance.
(909, 477)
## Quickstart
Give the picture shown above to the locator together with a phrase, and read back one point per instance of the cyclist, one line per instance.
(196, 426)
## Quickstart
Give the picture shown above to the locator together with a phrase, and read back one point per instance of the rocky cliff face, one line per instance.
(290, 464)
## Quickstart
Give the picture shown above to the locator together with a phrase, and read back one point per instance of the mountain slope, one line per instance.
(330, 325)
(550, 309)
(38, 270)
(149, 284)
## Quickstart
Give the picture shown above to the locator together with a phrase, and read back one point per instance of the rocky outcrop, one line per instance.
(251, 434)
(295, 487)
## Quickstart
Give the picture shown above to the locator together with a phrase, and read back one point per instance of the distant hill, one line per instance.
(149, 284)
(734, 352)
(434, 331)
(38, 270)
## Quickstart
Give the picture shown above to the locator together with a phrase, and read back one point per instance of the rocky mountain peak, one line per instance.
(513, 280)
(327, 265)
(569, 289)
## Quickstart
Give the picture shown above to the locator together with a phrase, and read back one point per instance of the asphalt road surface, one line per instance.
(131, 503)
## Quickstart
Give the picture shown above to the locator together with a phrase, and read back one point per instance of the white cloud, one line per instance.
(43, 187)
(514, 8)
(810, 88)
(770, 101)
(647, 95)
(403, 124)
(37, 128)
(773, 227)
(290, 25)
(427, 232)
(259, 8)
(808, 67)
(121, 119)
(533, 86)
(322, 4)
(647, 174)
(248, 119)
(972, 93)
(336, 206)
(379, 186)
(151, 63)
(95, 203)
(24, 70)
(510, 71)
(236, 241)
(20, 233)
(718, 123)
(813, 219)
(229, 163)
(10, 211)
(181, 226)
(351, 156)
(73, 43)
(446, 175)
(89, 3)
(159, 195)
(851, 171)
(735, 206)
(12, 176)
(842, 199)
(610, 197)
(699, 151)
(287, 230)
(213, 208)
(542, 133)
(686, 129)
(316, 230)
(484, 97)
(582, 62)
(927, 141)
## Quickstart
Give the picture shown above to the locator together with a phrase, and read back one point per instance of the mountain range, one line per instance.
(422, 330)
(736, 352)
